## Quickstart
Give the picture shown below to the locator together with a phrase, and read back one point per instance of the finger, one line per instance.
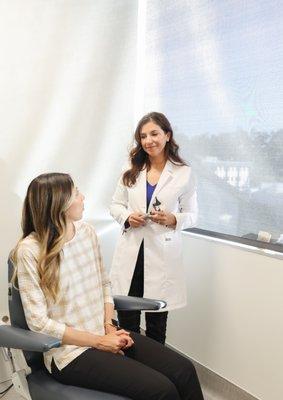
(135, 224)
(129, 344)
(121, 352)
(122, 332)
(138, 216)
(122, 341)
(128, 341)
(138, 220)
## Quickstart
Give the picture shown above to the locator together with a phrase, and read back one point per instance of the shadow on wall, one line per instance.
(107, 231)
(10, 216)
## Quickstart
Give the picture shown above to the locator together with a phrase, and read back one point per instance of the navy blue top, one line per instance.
(149, 192)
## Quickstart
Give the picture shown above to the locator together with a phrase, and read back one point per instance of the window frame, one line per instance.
(277, 247)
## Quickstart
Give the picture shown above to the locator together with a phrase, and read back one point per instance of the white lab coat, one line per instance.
(164, 277)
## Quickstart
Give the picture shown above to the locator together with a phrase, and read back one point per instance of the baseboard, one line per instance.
(215, 387)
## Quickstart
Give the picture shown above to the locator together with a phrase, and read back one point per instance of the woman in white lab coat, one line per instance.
(154, 200)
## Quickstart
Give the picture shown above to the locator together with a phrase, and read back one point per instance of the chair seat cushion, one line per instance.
(43, 386)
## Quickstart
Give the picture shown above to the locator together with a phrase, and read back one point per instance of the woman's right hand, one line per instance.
(114, 342)
(136, 219)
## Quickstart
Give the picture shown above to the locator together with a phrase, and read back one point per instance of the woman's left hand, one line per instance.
(163, 218)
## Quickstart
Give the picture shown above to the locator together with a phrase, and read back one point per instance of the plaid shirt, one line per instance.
(84, 288)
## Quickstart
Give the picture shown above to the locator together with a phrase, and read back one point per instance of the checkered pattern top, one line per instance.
(84, 288)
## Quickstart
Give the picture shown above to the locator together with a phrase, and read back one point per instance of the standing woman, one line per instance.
(154, 200)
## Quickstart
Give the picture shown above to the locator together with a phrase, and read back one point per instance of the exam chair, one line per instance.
(34, 382)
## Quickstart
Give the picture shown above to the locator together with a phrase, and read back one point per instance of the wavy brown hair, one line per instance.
(139, 158)
(47, 199)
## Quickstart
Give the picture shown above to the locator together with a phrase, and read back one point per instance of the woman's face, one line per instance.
(153, 139)
(76, 208)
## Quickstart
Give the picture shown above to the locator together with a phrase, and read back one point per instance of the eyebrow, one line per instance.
(154, 130)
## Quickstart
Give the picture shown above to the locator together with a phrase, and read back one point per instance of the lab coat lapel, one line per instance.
(165, 177)
(141, 190)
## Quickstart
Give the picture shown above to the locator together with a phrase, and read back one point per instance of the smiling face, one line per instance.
(153, 139)
(75, 210)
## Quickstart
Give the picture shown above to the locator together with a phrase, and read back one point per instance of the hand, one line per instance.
(112, 342)
(163, 218)
(136, 219)
(126, 336)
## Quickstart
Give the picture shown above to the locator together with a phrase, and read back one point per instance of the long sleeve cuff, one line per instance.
(185, 220)
(108, 299)
(107, 294)
(57, 330)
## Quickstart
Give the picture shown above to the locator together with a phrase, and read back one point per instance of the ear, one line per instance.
(168, 134)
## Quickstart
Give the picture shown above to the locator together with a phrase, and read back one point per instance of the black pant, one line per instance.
(130, 320)
(147, 371)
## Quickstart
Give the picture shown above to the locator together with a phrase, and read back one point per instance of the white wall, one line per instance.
(233, 321)
(67, 95)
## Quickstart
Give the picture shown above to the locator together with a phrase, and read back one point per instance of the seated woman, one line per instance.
(66, 293)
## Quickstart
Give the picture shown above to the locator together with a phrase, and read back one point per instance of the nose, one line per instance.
(148, 140)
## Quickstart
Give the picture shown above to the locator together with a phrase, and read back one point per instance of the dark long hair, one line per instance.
(139, 158)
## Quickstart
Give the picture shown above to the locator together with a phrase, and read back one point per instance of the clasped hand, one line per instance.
(163, 218)
(115, 342)
(160, 217)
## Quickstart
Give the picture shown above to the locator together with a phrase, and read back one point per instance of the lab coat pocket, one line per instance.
(172, 244)
(173, 253)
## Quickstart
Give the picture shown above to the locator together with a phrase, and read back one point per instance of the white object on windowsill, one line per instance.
(264, 236)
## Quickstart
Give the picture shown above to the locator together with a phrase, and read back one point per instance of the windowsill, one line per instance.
(244, 247)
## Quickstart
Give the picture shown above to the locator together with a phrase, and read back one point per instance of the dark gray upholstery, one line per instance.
(18, 338)
(17, 315)
(43, 387)
(41, 384)
(128, 303)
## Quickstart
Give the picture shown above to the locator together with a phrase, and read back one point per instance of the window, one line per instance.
(215, 69)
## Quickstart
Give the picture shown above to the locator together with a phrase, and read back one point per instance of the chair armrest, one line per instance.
(17, 338)
(137, 303)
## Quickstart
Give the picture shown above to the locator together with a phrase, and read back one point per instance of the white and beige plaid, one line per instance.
(83, 291)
